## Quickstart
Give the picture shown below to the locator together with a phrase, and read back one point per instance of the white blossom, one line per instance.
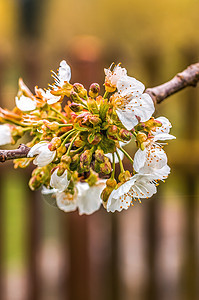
(137, 187)
(43, 155)
(112, 77)
(60, 183)
(153, 159)
(5, 135)
(64, 74)
(86, 198)
(162, 132)
(50, 98)
(25, 103)
(132, 106)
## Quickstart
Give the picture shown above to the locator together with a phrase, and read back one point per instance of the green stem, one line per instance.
(126, 154)
(65, 125)
(57, 112)
(106, 95)
(71, 143)
(113, 172)
(67, 135)
(120, 162)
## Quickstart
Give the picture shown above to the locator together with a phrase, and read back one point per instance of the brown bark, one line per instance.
(20, 152)
(188, 77)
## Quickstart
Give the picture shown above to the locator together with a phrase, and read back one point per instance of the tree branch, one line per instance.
(188, 77)
(20, 152)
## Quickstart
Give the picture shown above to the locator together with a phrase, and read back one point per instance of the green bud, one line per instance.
(106, 193)
(125, 135)
(112, 131)
(34, 183)
(94, 90)
(95, 120)
(92, 106)
(79, 89)
(94, 138)
(124, 176)
(99, 155)
(75, 107)
(106, 168)
(54, 144)
(111, 182)
(86, 158)
(75, 97)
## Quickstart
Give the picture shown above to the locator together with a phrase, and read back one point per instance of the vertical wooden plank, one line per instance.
(2, 169)
(84, 59)
(190, 267)
(152, 68)
(30, 12)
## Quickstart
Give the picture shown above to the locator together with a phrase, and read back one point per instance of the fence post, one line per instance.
(190, 265)
(152, 65)
(84, 59)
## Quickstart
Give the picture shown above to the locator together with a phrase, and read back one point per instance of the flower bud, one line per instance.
(54, 144)
(106, 168)
(106, 193)
(86, 157)
(95, 120)
(99, 155)
(111, 182)
(75, 107)
(79, 89)
(53, 126)
(34, 184)
(124, 176)
(125, 135)
(94, 90)
(112, 131)
(94, 138)
(75, 97)
(60, 151)
(92, 106)
(66, 159)
(141, 137)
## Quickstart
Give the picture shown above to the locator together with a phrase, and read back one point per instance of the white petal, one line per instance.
(44, 155)
(64, 72)
(66, 202)
(25, 103)
(163, 137)
(166, 125)
(90, 201)
(155, 158)
(5, 135)
(59, 182)
(127, 84)
(139, 159)
(143, 107)
(127, 117)
(50, 98)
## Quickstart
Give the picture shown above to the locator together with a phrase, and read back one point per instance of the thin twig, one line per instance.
(20, 152)
(188, 77)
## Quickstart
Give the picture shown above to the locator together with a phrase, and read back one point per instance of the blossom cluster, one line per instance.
(78, 136)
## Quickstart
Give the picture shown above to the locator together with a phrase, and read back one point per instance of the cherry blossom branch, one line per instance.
(20, 152)
(188, 77)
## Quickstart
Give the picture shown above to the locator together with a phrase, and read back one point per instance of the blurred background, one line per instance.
(150, 251)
